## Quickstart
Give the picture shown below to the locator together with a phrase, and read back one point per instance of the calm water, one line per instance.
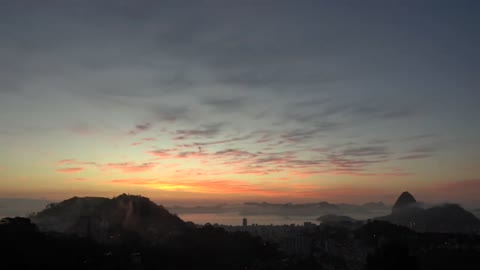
(236, 219)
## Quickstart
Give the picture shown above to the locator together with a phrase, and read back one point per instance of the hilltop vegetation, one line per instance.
(108, 219)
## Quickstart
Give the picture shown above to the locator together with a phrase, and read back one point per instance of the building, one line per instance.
(245, 222)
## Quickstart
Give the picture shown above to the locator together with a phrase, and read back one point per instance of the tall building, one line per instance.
(245, 222)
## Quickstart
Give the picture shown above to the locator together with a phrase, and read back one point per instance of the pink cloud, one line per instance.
(76, 162)
(65, 161)
(143, 141)
(304, 174)
(162, 153)
(78, 179)
(70, 170)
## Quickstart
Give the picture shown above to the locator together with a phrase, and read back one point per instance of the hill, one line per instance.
(406, 200)
(105, 219)
(447, 218)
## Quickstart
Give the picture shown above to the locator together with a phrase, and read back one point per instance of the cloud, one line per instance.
(265, 138)
(419, 153)
(348, 163)
(78, 179)
(226, 104)
(415, 156)
(66, 161)
(191, 154)
(381, 112)
(234, 153)
(366, 151)
(76, 162)
(351, 161)
(172, 113)
(162, 153)
(130, 167)
(143, 141)
(352, 112)
(140, 128)
(419, 137)
(340, 159)
(70, 170)
(127, 167)
(73, 162)
(286, 64)
(362, 173)
(205, 131)
(231, 140)
(304, 134)
(143, 127)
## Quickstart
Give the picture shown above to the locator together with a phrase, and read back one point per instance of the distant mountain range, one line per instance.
(364, 211)
(107, 218)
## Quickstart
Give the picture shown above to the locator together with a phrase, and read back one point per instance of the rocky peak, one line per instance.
(405, 200)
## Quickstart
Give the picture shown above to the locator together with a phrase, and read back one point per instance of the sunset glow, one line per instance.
(240, 103)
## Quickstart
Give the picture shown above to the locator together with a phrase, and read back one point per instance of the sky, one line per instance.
(219, 101)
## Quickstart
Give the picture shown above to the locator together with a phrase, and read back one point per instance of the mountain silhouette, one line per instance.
(447, 218)
(404, 201)
(104, 219)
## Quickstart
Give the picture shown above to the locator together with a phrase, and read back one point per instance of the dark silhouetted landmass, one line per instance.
(106, 219)
(25, 247)
(405, 201)
(132, 232)
(391, 246)
(447, 218)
